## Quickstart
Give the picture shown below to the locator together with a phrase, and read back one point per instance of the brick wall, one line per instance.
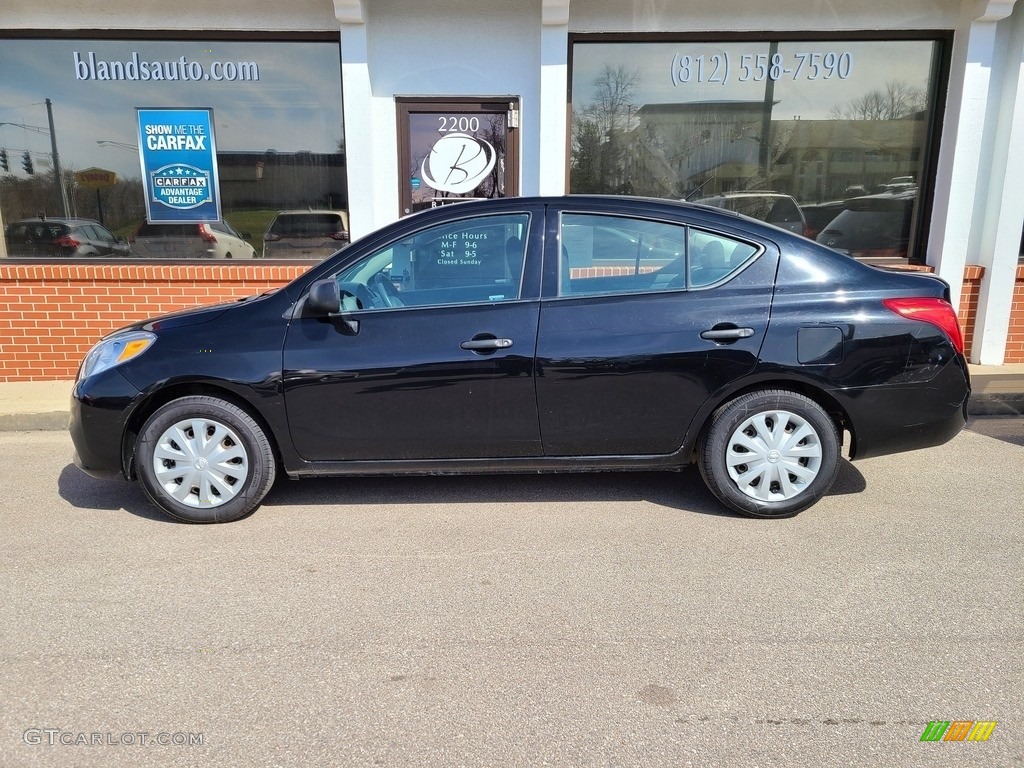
(969, 303)
(1015, 341)
(969, 296)
(51, 314)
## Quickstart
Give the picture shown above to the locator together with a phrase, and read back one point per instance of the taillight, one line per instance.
(66, 241)
(206, 234)
(937, 312)
(339, 236)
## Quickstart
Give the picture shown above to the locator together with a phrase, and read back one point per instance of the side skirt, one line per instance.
(518, 465)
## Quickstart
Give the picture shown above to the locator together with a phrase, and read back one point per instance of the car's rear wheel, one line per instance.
(204, 460)
(770, 453)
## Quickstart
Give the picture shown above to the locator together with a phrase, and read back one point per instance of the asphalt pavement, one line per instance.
(566, 620)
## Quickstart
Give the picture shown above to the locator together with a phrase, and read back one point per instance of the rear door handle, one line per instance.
(727, 334)
(478, 344)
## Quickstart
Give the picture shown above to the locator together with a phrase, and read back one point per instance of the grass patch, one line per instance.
(252, 223)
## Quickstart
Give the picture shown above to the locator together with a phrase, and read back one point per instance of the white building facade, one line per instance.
(673, 98)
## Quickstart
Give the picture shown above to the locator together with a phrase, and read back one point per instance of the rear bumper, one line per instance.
(904, 417)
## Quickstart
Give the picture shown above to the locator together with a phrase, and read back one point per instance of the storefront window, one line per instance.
(74, 109)
(829, 139)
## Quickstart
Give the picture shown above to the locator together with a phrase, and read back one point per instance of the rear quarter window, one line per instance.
(168, 230)
(36, 232)
(715, 257)
(784, 211)
(307, 225)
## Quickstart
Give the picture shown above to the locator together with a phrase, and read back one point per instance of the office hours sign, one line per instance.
(179, 164)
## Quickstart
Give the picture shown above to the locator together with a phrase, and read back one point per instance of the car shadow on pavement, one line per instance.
(1008, 428)
(84, 492)
(848, 481)
(683, 491)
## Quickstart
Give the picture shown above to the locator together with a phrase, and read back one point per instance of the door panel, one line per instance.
(405, 388)
(432, 356)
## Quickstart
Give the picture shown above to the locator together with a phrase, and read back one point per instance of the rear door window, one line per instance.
(307, 225)
(620, 255)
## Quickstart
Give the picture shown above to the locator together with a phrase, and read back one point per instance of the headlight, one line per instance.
(114, 351)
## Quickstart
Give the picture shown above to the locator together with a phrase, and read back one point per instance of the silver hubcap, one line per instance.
(201, 463)
(773, 456)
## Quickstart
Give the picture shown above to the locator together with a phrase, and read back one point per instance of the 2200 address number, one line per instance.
(758, 67)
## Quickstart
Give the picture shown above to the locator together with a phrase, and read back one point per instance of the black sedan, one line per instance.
(485, 337)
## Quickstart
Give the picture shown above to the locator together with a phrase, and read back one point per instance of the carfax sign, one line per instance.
(179, 165)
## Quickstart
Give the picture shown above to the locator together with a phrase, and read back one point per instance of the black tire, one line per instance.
(793, 447)
(228, 476)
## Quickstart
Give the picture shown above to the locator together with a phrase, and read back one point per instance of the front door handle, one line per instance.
(479, 344)
(727, 334)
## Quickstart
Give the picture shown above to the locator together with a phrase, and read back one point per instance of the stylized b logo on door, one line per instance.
(457, 163)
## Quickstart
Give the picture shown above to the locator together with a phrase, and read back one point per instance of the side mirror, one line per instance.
(324, 298)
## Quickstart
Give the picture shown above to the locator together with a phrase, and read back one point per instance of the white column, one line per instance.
(554, 86)
(957, 179)
(969, 153)
(358, 116)
(1000, 209)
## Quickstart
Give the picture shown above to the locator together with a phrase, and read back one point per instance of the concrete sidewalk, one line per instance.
(998, 390)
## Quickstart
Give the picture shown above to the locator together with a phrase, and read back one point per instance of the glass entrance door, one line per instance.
(455, 150)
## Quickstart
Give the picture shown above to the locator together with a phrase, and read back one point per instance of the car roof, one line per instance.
(308, 210)
(883, 200)
(55, 220)
(178, 223)
(624, 205)
(746, 193)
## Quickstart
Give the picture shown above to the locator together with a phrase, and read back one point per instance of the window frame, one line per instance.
(376, 251)
(174, 36)
(940, 75)
(689, 227)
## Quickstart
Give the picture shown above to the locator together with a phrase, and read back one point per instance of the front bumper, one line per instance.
(101, 406)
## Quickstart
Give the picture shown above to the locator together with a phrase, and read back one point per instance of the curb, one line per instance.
(33, 422)
(1011, 404)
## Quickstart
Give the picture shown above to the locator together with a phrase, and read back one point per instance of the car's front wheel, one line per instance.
(204, 460)
(770, 453)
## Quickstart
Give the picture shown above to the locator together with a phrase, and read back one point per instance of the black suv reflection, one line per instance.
(528, 335)
(69, 238)
(872, 226)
